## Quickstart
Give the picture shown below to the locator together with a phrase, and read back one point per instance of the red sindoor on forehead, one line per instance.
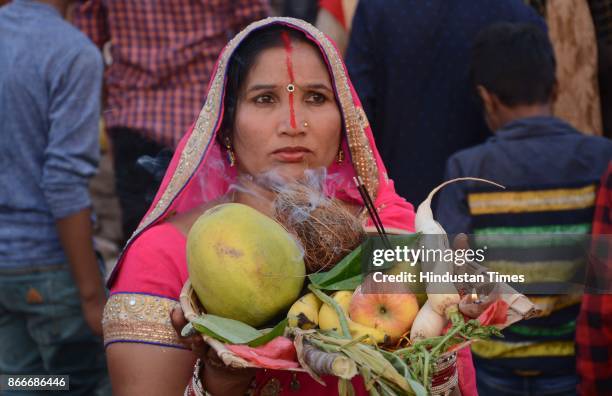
(288, 58)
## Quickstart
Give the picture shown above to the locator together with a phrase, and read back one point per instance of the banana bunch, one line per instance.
(309, 312)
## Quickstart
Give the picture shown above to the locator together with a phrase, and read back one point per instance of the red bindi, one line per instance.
(288, 60)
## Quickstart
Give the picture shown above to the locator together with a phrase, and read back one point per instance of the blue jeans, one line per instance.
(42, 331)
(507, 384)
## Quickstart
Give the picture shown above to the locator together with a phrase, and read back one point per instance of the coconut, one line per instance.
(326, 230)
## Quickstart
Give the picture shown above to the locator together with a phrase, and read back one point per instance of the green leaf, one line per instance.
(277, 331)
(405, 240)
(398, 364)
(386, 389)
(402, 368)
(345, 388)
(348, 267)
(346, 284)
(418, 389)
(226, 330)
(188, 330)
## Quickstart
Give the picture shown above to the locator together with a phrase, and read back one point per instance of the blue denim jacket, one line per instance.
(50, 82)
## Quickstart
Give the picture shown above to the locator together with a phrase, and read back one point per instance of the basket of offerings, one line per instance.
(290, 292)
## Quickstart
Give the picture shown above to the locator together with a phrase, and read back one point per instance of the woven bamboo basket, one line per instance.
(445, 377)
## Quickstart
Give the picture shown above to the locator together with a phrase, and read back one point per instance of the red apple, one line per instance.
(391, 313)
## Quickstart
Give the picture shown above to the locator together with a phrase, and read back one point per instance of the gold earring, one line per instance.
(340, 157)
(231, 157)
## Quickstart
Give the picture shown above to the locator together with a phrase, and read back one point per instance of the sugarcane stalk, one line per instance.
(364, 356)
(329, 363)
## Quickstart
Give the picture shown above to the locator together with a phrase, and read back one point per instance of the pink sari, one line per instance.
(148, 278)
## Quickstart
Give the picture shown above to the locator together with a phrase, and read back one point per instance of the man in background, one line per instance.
(409, 61)
(51, 287)
(550, 172)
(162, 56)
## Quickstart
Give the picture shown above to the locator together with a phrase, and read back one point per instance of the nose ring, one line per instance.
(305, 124)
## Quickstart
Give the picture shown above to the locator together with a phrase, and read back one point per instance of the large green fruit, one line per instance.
(243, 265)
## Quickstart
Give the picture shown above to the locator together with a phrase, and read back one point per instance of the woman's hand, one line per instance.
(472, 306)
(193, 342)
(217, 378)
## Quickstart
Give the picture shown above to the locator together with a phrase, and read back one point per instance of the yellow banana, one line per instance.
(328, 320)
(304, 313)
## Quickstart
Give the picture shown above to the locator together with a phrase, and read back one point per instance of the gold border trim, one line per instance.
(134, 317)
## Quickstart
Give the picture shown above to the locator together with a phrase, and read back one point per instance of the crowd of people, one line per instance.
(187, 98)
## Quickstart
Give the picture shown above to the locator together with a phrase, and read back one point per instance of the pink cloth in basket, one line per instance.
(495, 314)
(277, 354)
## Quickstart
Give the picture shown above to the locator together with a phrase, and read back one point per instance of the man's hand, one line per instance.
(75, 233)
(92, 311)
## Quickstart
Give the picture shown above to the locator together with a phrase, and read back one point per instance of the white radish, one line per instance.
(427, 324)
(424, 220)
(443, 304)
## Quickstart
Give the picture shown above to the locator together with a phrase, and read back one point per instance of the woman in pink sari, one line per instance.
(279, 100)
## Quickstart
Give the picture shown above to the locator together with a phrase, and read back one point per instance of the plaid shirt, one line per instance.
(163, 53)
(594, 327)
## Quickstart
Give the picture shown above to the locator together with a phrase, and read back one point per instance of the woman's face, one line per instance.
(274, 132)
